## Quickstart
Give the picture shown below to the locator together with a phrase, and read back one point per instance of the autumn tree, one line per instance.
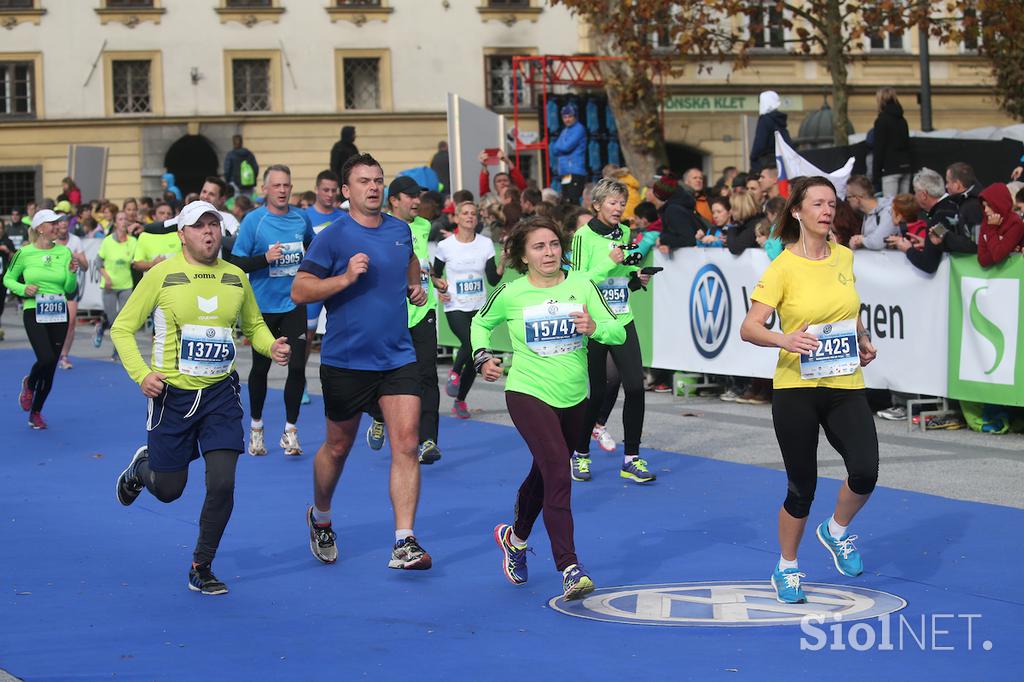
(703, 31)
(1002, 25)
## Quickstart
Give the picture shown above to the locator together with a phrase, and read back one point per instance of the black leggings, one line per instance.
(627, 359)
(548, 432)
(220, 497)
(47, 343)
(460, 322)
(611, 392)
(849, 426)
(291, 325)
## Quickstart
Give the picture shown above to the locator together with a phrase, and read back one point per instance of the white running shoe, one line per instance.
(257, 447)
(290, 443)
(603, 438)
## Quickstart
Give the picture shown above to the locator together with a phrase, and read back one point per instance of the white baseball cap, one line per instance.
(46, 216)
(191, 214)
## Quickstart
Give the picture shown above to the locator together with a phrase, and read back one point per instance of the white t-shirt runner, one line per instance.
(464, 268)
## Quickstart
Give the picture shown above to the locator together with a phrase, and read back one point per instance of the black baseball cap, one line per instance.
(403, 184)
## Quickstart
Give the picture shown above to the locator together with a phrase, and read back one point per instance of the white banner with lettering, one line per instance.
(90, 293)
(702, 296)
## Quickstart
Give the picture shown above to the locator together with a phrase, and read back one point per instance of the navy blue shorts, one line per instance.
(182, 424)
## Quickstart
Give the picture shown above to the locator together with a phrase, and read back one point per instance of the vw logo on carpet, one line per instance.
(748, 603)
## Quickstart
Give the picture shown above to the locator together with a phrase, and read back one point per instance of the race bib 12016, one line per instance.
(550, 330)
(51, 308)
(288, 264)
(206, 351)
(836, 354)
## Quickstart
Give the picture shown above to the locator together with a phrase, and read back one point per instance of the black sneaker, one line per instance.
(202, 579)
(129, 485)
(408, 555)
(321, 540)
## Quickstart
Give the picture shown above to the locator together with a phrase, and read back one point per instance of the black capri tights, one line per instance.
(627, 358)
(460, 322)
(291, 325)
(846, 418)
(47, 342)
(220, 497)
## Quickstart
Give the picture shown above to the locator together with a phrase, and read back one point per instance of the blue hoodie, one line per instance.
(571, 150)
(171, 187)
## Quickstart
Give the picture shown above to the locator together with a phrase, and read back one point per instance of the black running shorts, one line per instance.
(349, 392)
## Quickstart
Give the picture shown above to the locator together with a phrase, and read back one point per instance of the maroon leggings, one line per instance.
(547, 431)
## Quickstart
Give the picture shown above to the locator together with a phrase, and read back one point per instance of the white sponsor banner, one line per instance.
(702, 297)
(90, 295)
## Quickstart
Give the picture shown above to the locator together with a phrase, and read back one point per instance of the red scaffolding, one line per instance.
(540, 73)
(546, 71)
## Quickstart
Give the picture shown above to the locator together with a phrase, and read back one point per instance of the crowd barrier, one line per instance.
(955, 333)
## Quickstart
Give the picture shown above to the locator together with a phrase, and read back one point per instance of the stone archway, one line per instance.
(191, 159)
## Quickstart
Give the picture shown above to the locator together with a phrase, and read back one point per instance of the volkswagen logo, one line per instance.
(710, 311)
(552, 310)
(726, 604)
(210, 333)
(826, 330)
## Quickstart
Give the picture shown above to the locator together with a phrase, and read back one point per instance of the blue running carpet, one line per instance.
(93, 590)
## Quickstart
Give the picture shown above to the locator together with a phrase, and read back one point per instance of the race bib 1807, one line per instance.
(206, 351)
(837, 353)
(550, 330)
(288, 264)
(51, 308)
(616, 294)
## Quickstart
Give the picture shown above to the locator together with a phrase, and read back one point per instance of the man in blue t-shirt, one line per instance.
(287, 230)
(322, 213)
(364, 270)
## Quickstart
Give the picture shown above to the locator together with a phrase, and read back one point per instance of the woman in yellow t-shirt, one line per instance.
(818, 380)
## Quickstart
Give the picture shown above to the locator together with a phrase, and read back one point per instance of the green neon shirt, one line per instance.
(117, 261)
(152, 245)
(420, 233)
(560, 380)
(48, 269)
(187, 302)
(590, 256)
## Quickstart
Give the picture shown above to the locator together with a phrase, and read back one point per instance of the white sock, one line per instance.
(629, 458)
(599, 428)
(288, 426)
(321, 518)
(568, 568)
(256, 423)
(403, 533)
(517, 541)
(785, 563)
(834, 529)
(584, 455)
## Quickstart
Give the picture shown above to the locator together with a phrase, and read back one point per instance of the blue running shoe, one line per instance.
(787, 585)
(844, 553)
(576, 584)
(636, 471)
(579, 467)
(514, 564)
(375, 435)
(305, 397)
(97, 338)
(429, 452)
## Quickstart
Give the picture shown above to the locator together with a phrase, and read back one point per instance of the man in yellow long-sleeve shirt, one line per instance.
(191, 383)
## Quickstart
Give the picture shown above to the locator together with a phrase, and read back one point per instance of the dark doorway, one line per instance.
(683, 157)
(191, 159)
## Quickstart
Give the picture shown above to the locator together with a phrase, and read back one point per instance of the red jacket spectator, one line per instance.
(485, 179)
(1002, 230)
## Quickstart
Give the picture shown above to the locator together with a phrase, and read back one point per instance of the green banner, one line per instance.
(641, 302)
(985, 309)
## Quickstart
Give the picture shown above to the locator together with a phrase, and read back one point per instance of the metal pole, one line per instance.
(926, 78)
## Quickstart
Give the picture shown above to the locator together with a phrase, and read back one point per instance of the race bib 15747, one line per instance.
(550, 330)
